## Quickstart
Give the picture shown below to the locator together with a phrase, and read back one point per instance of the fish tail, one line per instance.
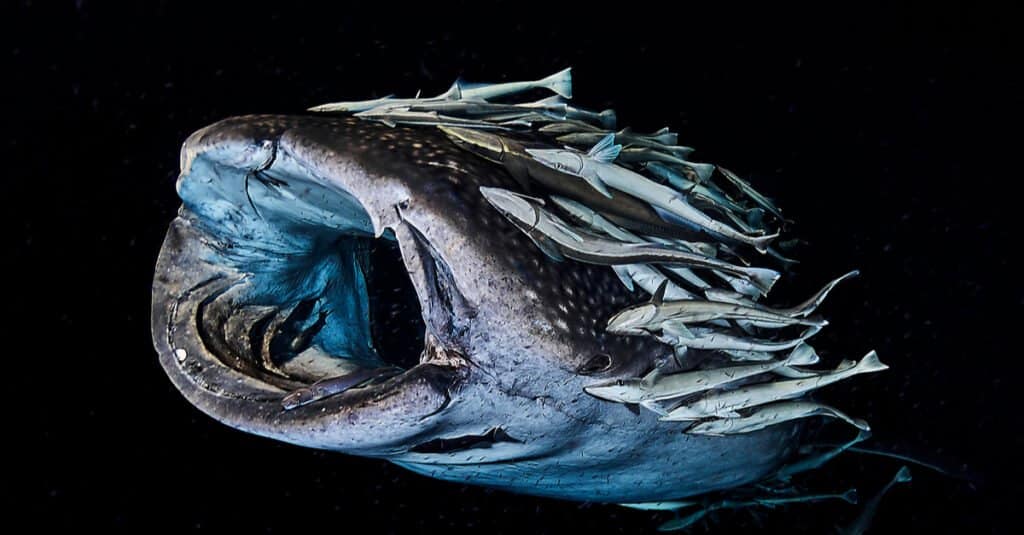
(871, 363)
(665, 137)
(763, 278)
(761, 242)
(560, 82)
(802, 355)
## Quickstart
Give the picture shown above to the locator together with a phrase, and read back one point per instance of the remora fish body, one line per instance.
(597, 169)
(627, 211)
(658, 387)
(509, 347)
(557, 239)
(725, 404)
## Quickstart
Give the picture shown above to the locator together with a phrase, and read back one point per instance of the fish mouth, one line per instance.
(274, 281)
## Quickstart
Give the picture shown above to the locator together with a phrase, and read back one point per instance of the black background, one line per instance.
(881, 131)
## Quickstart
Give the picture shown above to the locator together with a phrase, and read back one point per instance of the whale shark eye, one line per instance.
(596, 364)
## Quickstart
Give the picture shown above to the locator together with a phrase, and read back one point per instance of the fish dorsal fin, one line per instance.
(606, 150)
(659, 295)
(549, 101)
(547, 248)
(660, 131)
(623, 274)
(624, 132)
(677, 329)
(418, 92)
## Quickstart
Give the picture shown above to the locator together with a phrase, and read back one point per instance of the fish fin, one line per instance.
(659, 295)
(802, 355)
(548, 249)
(608, 119)
(703, 170)
(664, 136)
(652, 376)
(763, 278)
(549, 101)
(633, 408)
(809, 306)
(871, 363)
(596, 183)
(654, 407)
(624, 277)
(677, 329)
(566, 229)
(560, 82)
(606, 150)
(761, 242)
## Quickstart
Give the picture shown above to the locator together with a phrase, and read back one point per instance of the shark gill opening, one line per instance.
(396, 321)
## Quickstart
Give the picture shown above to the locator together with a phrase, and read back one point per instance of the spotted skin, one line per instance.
(512, 335)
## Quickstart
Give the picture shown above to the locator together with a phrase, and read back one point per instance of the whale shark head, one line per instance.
(310, 248)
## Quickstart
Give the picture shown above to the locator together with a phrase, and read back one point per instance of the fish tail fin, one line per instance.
(624, 277)
(763, 278)
(606, 150)
(802, 355)
(761, 242)
(608, 119)
(665, 137)
(560, 82)
(596, 183)
(817, 299)
(903, 475)
(871, 363)
(703, 170)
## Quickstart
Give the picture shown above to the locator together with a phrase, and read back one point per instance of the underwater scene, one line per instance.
(518, 273)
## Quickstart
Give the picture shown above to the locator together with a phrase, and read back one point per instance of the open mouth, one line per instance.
(273, 299)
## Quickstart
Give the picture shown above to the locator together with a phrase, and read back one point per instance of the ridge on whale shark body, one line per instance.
(262, 314)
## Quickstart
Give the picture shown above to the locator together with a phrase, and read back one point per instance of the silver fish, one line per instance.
(559, 240)
(772, 414)
(396, 116)
(560, 83)
(646, 317)
(679, 335)
(749, 191)
(725, 404)
(657, 387)
(453, 93)
(800, 310)
(652, 279)
(596, 168)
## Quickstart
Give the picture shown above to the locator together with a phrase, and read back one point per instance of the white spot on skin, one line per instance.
(180, 354)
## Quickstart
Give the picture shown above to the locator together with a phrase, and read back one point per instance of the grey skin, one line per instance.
(512, 337)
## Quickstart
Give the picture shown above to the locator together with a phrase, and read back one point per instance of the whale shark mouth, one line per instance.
(276, 300)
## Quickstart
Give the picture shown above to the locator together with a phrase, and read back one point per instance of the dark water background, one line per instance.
(881, 131)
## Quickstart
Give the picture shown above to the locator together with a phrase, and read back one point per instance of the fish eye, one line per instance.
(596, 364)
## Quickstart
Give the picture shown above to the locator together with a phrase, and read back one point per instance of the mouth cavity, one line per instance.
(320, 307)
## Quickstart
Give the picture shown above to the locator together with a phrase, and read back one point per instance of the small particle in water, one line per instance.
(181, 354)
